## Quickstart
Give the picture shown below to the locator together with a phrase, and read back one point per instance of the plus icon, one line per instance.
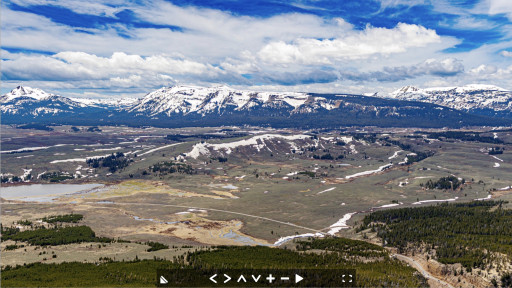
(270, 278)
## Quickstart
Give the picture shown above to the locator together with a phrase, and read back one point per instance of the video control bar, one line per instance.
(256, 278)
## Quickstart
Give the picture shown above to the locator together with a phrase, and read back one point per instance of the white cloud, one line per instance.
(354, 45)
(499, 7)
(118, 70)
(430, 67)
(81, 7)
(491, 72)
(483, 70)
(505, 53)
(218, 47)
(445, 67)
(437, 83)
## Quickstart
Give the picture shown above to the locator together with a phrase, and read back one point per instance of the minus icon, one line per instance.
(285, 278)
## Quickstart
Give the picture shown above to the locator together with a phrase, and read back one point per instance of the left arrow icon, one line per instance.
(213, 278)
(227, 278)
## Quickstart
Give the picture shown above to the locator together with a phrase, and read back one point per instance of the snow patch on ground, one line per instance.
(346, 139)
(353, 149)
(158, 148)
(197, 210)
(387, 206)
(108, 149)
(395, 154)
(26, 156)
(27, 149)
(26, 172)
(402, 184)
(496, 165)
(497, 158)
(283, 240)
(482, 199)
(257, 142)
(340, 224)
(369, 172)
(198, 150)
(430, 201)
(326, 190)
(78, 159)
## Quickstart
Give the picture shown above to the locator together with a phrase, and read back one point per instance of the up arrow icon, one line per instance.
(241, 278)
(298, 278)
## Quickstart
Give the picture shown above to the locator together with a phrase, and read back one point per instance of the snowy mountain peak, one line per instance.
(112, 102)
(182, 99)
(406, 89)
(470, 88)
(479, 87)
(486, 99)
(22, 91)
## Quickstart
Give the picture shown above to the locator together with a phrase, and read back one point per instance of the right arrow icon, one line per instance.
(298, 278)
(227, 278)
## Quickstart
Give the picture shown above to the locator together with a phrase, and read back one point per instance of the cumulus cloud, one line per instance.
(217, 47)
(445, 67)
(442, 68)
(505, 53)
(298, 78)
(487, 71)
(483, 70)
(120, 69)
(207, 33)
(354, 45)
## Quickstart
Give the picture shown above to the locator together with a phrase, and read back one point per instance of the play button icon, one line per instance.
(298, 278)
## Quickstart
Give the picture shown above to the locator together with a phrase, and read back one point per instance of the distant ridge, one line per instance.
(186, 106)
(480, 99)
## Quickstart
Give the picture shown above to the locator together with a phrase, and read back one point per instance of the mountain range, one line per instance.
(479, 99)
(186, 106)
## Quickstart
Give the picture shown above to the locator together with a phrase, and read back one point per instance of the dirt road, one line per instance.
(435, 282)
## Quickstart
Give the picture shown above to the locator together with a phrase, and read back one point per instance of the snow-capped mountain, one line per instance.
(200, 100)
(24, 101)
(113, 103)
(191, 106)
(21, 91)
(476, 98)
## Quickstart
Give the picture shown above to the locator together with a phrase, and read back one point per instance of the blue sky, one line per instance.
(128, 48)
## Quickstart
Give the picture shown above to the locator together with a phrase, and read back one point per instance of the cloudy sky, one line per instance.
(129, 47)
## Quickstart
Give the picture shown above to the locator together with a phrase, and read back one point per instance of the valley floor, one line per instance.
(234, 186)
